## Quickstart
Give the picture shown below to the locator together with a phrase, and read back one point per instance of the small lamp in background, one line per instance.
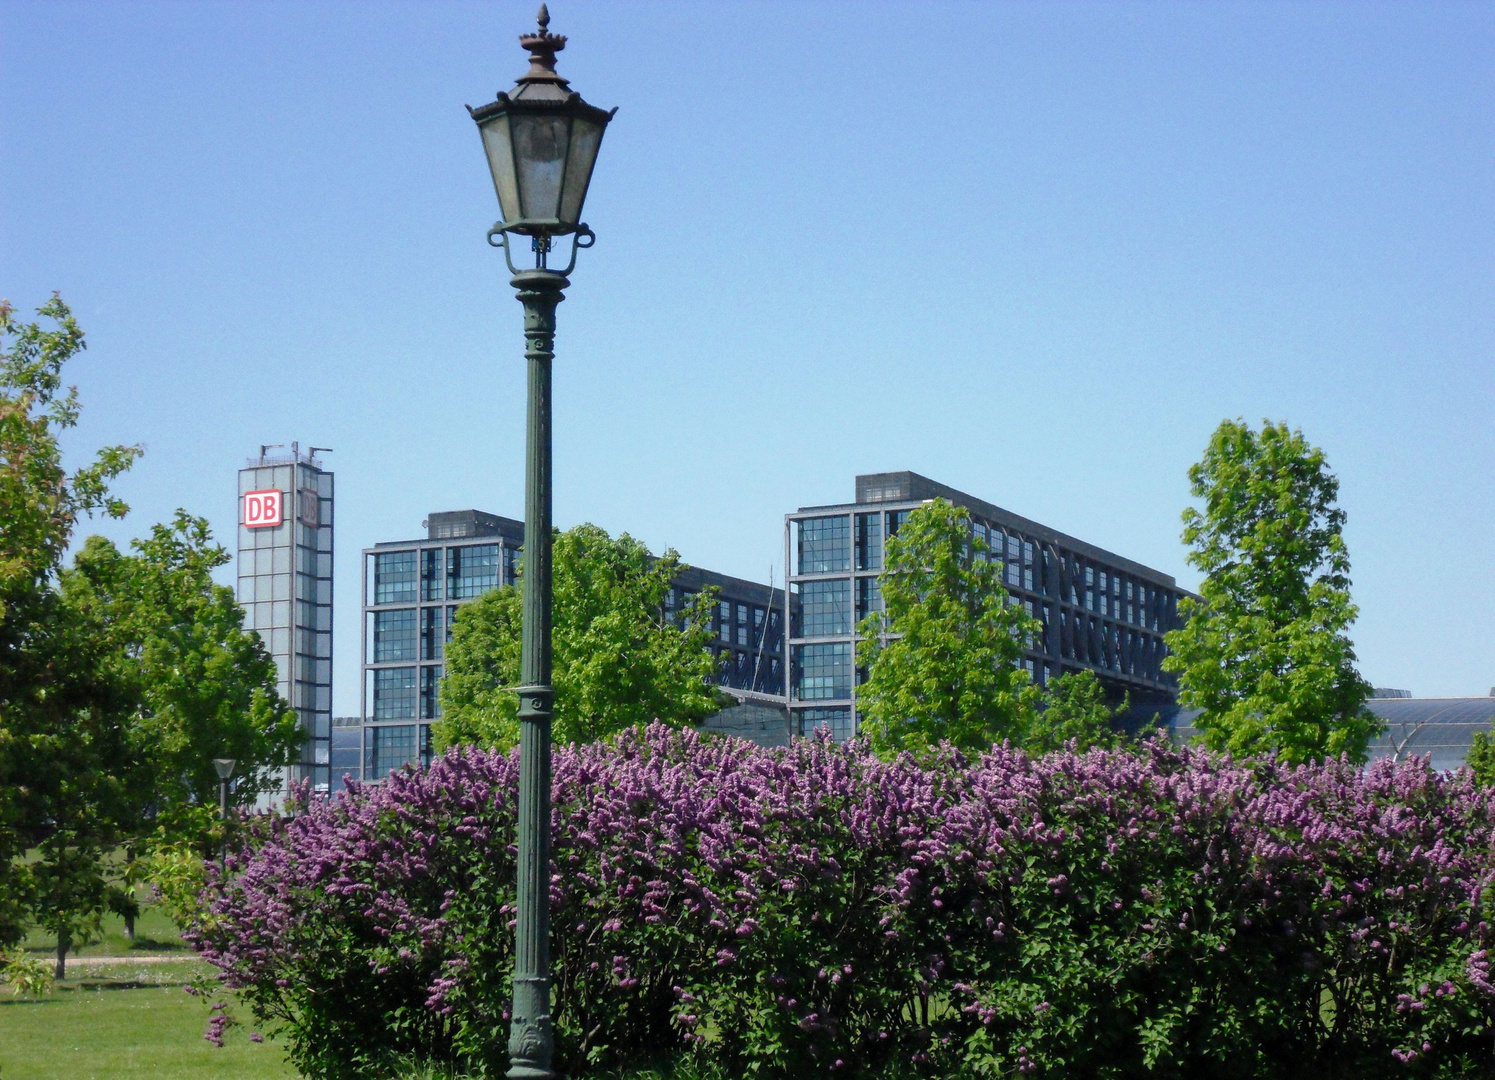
(225, 767)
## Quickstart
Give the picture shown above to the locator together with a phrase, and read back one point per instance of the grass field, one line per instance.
(130, 1018)
(126, 1021)
(154, 933)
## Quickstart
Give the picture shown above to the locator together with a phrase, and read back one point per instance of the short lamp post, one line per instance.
(225, 767)
(541, 139)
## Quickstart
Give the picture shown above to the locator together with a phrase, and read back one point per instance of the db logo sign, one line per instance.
(262, 509)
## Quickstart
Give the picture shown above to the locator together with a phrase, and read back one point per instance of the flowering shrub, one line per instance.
(817, 911)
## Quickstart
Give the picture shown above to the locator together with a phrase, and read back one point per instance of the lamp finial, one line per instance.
(542, 46)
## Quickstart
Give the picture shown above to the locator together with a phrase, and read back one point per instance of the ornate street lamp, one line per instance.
(541, 139)
(225, 769)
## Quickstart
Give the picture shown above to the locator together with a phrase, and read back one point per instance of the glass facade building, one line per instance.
(1099, 611)
(413, 588)
(285, 586)
(411, 592)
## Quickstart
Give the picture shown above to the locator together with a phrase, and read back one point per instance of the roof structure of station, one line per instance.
(1440, 729)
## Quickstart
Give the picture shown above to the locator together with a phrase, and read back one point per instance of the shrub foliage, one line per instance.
(818, 911)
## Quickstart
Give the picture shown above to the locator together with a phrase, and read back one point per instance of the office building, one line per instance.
(285, 587)
(412, 590)
(1100, 612)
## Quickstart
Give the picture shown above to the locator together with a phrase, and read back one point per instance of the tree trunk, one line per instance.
(129, 912)
(64, 940)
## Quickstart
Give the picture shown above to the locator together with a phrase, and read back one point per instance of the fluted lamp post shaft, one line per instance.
(541, 140)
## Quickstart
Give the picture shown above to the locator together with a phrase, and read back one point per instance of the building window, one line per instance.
(746, 665)
(511, 565)
(394, 577)
(869, 597)
(869, 541)
(430, 574)
(825, 607)
(775, 641)
(835, 720)
(825, 544)
(388, 748)
(471, 571)
(347, 751)
(822, 672)
(394, 635)
(430, 689)
(432, 633)
(426, 749)
(394, 693)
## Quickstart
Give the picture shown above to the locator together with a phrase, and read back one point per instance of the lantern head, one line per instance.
(541, 139)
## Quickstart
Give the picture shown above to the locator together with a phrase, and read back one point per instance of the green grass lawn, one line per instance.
(154, 933)
(132, 1019)
(125, 1021)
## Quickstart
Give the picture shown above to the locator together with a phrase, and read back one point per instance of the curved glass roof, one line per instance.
(1440, 728)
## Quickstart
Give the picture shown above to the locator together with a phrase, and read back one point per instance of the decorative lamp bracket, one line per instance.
(581, 239)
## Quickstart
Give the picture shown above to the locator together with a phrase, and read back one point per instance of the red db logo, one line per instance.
(262, 509)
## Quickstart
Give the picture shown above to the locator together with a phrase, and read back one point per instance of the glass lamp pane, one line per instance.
(585, 137)
(500, 153)
(540, 144)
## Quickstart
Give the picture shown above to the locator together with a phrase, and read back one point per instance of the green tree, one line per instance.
(1481, 758)
(943, 657)
(200, 684)
(620, 659)
(64, 758)
(1265, 652)
(1074, 710)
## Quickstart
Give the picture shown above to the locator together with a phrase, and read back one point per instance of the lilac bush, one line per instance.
(818, 911)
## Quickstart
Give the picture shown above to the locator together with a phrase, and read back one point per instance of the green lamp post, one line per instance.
(224, 766)
(541, 139)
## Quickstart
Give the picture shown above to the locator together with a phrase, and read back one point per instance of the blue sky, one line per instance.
(1035, 251)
